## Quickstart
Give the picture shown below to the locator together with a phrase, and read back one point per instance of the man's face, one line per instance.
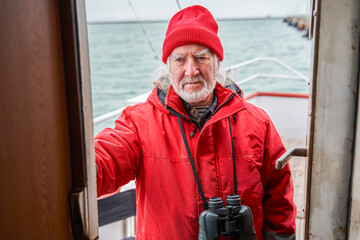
(192, 69)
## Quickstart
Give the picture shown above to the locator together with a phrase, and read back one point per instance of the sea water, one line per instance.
(122, 62)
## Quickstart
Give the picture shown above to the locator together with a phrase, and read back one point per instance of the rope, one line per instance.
(178, 3)
(144, 32)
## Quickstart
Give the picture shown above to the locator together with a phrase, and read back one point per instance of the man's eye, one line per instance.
(179, 60)
(200, 58)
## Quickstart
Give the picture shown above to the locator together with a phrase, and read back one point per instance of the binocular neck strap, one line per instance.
(233, 157)
(193, 166)
(193, 163)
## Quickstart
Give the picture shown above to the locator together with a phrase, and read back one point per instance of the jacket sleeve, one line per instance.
(278, 207)
(117, 154)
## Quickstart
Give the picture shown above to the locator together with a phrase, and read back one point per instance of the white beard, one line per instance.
(198, 96)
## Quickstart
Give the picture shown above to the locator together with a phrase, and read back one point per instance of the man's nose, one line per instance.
(191, 69)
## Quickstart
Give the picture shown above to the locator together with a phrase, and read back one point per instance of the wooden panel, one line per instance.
(35, 167)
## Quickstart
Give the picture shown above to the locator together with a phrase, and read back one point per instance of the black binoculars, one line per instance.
(234, 221)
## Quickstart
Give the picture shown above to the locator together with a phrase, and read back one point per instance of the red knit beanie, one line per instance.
(192, 25)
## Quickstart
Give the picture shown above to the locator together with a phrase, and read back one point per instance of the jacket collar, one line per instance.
(231, 96)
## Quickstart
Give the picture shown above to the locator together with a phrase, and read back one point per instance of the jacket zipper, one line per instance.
(177, 114)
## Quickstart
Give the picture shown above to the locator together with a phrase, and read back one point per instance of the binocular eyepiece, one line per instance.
(234, 221)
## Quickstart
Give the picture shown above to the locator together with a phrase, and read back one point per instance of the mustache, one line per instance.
(197, 78)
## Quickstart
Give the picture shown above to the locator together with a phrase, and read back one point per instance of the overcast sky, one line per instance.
(120, 10)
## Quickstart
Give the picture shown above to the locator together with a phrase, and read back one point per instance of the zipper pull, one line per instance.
(193, 132)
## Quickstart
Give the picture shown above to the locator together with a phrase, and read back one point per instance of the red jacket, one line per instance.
(146, 145)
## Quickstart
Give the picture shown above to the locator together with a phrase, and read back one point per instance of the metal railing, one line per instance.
(258, 61)
(232, 69)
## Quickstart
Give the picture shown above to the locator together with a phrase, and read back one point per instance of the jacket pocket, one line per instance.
(248, 176)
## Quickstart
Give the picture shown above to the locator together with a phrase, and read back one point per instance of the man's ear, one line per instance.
(217, 63)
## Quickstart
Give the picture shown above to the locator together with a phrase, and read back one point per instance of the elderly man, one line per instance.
(185, 142)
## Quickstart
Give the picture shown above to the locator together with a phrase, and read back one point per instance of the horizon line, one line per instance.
(165, 21)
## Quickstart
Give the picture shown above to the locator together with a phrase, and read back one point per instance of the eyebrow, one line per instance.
(177, 56)
(201, 52)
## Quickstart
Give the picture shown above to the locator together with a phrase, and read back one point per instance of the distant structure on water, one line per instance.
(301, 23)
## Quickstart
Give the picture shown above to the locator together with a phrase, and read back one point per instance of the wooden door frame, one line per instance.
(78, 87)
